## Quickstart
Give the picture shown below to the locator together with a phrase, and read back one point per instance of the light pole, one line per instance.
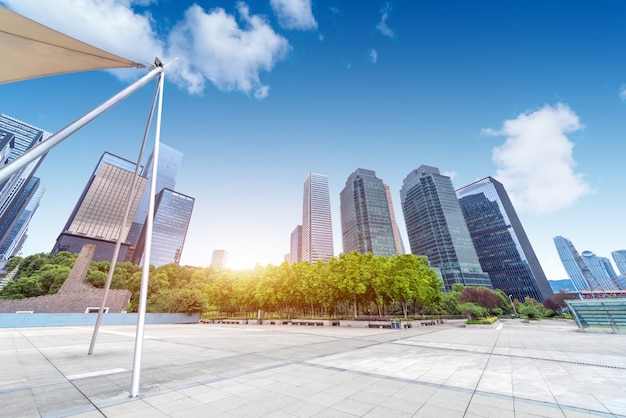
(513, 304)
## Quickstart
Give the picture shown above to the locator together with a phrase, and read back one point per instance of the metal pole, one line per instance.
(145, 272)
(45, 146)
(118, 243)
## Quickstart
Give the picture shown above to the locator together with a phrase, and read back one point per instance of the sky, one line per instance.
(263, 92)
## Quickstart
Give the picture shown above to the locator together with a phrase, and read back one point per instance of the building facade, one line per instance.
(394, 224)
(619, 257)
(21, 193)
(502, 246)
(98, 215)
(577, 270)
(168, 164)
(603, 271)
(436, 228)
(219, 259)
(295, 247)
(365, 219)
(317, 230)
(172, 213)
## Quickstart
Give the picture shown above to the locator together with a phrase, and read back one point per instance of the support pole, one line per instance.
(145, 272)
(45, 146)
(120, 237)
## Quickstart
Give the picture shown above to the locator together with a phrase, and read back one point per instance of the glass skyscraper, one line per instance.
(578, 271)
(98, 215)
(436, 228)
(317, 230)
(295, 247)
(172, 213)
(365, 220)
(603, 271)
(21, 193)
(394, 225)
(168, 165)
(501, 244)
(619, 257)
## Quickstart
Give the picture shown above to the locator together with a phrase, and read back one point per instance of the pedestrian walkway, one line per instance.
(541, 368)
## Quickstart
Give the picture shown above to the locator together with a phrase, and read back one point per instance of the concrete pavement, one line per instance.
(543, 368)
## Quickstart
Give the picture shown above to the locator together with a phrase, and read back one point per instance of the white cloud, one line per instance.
(382, 25)
(536, 163)
(211, 46)
(373, 56)
(451, 174)
(294, 14)
(622, 92)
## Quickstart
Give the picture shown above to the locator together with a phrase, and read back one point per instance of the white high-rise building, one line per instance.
(317, 231)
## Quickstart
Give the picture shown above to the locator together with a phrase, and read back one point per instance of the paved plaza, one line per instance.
(541, 368)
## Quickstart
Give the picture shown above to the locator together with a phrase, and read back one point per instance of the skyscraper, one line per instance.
(20, 194)
(172, 213)
(436, 228)
(394, 225)
(603, 271)
(619, 257)
(295, 248)
(501, 244)
(168, 164)
(317, 231)
(99, 212)
(219, 259)
(365, 220)
(578, 271)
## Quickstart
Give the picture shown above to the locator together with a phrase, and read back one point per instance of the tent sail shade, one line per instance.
(31, 50)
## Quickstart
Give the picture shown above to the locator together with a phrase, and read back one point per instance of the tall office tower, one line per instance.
(172, 213)
(168, 164)
(295, 249)
(16, 233)
(99, 212)
(219, 259)
(17, 192)
(365, 220)
(501, 244)
(603, 271)
(317, 230)
(578, 271)
(619, 257)
(394, 225)
(437, 229)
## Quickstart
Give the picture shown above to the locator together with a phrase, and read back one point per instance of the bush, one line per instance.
(483, 321)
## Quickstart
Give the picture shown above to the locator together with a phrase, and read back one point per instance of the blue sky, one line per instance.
(532, 93)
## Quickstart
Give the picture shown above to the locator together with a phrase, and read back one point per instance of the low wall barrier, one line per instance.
(24, 320)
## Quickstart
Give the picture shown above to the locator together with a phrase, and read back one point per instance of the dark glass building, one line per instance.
(365, 219)
(98, 215)
(436, 228)
(172, 213)
(501, 243)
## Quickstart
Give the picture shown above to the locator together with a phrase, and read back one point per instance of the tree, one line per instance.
(483, 297)
(25, 287)
(557, 302)
(472, 310)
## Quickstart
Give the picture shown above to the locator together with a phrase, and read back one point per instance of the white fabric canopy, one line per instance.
(29, 50)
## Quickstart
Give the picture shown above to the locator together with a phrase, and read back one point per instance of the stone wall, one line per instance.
(75, 296)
